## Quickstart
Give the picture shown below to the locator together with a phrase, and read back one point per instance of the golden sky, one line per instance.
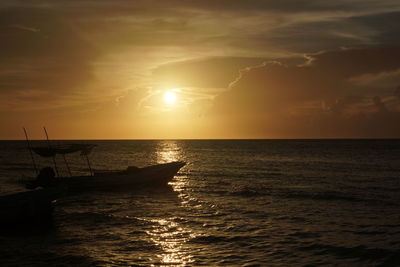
(172, 69)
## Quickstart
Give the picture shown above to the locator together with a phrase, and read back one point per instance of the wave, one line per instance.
(308, 193)
(386, 257)
(338, 196)
(99, 218)
(251, 192)
(40, 257)
(207, 239)
(321, 196)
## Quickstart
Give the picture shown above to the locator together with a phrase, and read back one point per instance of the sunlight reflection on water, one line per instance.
(168, 151)
(171, 237)
(167, 234)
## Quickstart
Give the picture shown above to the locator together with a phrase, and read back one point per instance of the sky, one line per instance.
(175, 69)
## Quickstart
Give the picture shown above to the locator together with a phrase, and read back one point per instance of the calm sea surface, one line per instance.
(236, 203)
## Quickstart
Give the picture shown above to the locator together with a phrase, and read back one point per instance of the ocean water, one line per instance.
(236, 203)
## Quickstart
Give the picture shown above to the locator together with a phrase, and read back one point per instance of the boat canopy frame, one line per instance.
(51, 151)
(48, 152)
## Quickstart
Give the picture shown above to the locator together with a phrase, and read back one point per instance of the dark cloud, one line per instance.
(280, 96)
(384, 27)
(379, 104)
(330, 33)
(307, 37)
(341, 105)
(397, 92)
(141, 6)
(263, 23)
(40, 51)
(347, 63)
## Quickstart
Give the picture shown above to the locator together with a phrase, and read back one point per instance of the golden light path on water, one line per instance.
(166, 233)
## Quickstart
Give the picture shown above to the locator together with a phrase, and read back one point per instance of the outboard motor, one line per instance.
(44, 179)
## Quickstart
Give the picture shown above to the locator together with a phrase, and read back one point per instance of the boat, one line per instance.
(28, 211)
(130, 178)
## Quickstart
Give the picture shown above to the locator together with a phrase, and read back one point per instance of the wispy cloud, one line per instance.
(25, 28)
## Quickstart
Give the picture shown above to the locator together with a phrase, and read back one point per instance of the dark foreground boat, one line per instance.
(28, 211)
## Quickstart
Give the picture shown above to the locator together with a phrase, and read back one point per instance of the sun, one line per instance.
(169, 98)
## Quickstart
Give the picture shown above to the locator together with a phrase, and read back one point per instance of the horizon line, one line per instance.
(210, 139)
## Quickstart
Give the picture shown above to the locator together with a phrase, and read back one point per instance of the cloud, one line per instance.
(25, 28)
(209, 73)
(44, 61)
(397, 92)
(383, 26)
(141, 6)
(132, 99)
(232, 23)
(274, 97)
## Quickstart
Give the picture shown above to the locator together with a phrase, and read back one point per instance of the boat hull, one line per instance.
(137, 178)
(28, 211)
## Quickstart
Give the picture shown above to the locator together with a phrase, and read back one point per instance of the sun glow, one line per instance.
(169, 97)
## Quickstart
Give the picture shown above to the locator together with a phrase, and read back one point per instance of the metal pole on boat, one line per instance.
(54, 157)
(90, 167)
(66, 163)
(30, 150)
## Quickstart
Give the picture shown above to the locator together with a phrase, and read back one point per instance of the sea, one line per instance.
(235, 203)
